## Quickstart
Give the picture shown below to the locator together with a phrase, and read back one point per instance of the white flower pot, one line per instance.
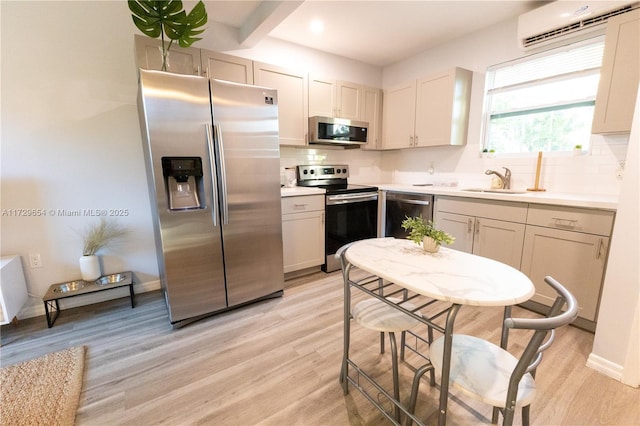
(90, 268)
(430, 245)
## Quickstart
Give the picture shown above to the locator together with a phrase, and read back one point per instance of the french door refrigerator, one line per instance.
(213, 170)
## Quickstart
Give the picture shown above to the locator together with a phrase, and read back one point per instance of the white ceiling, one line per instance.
(375, 32)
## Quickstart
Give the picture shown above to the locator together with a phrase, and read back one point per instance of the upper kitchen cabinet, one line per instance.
(227, 67)
(292, 100)
(179, 60)
(193, 61)
(371, 112)
(432, 111)
(322, 97)
(336, 98)
(619, 75)
(349, 98)
(398, 116)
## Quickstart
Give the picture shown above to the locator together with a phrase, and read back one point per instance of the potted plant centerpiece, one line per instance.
(424, 232)
(96, 237)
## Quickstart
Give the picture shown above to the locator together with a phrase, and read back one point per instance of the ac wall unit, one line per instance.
(560, 20)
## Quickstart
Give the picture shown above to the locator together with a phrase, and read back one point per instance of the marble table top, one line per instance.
(447, 275)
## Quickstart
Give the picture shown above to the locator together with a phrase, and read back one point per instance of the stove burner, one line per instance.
(331, 178)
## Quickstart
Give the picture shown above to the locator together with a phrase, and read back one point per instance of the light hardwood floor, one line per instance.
(277, 363)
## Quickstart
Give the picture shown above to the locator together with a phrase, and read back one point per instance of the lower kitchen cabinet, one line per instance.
(484, 228)
(496, 239)
(571, 245)
(575, 259)
(302, 232)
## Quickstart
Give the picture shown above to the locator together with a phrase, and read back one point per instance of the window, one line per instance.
(543, 102)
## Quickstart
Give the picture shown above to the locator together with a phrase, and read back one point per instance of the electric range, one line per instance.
(351, 211)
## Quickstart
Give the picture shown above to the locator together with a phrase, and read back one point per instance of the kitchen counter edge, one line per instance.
(603, 202)
(300, 190)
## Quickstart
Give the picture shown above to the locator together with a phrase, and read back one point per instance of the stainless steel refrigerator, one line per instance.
(213, 169)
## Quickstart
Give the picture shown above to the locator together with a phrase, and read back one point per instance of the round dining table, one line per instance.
(448, 275)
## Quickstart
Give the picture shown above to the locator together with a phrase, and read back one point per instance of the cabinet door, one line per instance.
(433, 110)
(303, 240)
(615, 101)
(348, 100)
(372, 114)
(499, 240)
(180, 60)
(442, 108)
(226, 67)
(292, 101)
(398, 116)
(322, 97)
(575, 259)
(461, 227)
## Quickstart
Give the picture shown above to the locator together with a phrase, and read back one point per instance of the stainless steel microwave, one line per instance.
(337, 131)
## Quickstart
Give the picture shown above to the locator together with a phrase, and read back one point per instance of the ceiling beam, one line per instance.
(264, 19)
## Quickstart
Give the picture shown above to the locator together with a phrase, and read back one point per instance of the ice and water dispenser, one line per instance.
(183, 180)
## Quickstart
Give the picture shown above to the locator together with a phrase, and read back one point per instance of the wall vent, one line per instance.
(529, 24)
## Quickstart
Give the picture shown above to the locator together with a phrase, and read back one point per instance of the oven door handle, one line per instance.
(350, 198)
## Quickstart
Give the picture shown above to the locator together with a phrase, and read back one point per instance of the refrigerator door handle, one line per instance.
(212, 165)
(223, 176)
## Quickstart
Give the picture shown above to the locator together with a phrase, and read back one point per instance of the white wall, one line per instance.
(70, 137)
(616, 348)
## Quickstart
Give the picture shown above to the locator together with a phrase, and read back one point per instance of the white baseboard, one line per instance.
(605, 367)
(35, 308)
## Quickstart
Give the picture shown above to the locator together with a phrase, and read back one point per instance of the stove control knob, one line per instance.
(312, 171)
(339, 171)
(344, 170)
(305, 172)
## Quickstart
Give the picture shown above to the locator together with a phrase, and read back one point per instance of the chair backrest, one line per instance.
(532, 354)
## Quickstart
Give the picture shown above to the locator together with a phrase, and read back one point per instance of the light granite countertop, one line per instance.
(604, 202)
(300, 190)
(593, 201)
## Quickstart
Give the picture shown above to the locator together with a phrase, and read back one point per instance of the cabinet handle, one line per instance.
(600, 245)
(565, 223)
(470, 226)
(301, 205)
(477, 226)
(416, 139)
(410, 140)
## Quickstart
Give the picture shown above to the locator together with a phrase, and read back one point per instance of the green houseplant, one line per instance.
(424, 232)
(167, 18)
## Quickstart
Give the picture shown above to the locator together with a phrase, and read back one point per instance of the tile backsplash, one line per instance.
(595, 172)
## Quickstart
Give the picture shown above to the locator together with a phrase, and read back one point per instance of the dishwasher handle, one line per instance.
(412, 201)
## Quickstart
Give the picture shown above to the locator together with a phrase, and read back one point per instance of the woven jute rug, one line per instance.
(42, 391)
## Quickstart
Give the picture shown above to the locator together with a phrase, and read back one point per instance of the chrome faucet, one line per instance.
(506, 178)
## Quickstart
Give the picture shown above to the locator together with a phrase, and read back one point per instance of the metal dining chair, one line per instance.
(491, 374)
(375, 314)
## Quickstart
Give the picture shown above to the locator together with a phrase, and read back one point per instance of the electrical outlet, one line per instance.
(620, 170)
(34, 260)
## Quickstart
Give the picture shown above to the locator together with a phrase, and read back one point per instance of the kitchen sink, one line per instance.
(496, 191)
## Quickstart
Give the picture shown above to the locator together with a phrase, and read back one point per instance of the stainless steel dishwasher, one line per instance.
(399, 205)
